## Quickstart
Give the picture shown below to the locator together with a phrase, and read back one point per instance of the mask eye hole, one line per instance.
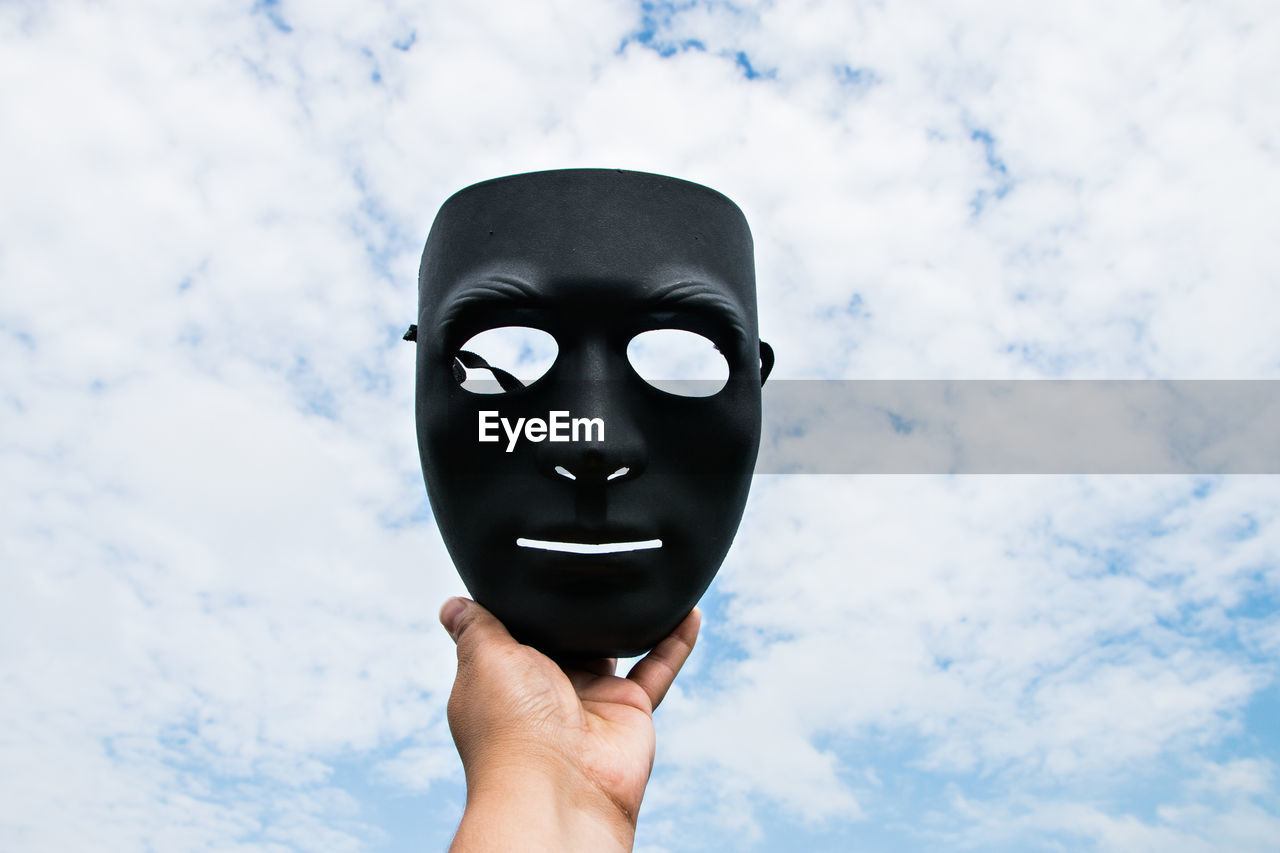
(678, 362)
(505, 359)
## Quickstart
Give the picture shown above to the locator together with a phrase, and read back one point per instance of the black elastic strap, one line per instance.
(465, 359)
(766, 361)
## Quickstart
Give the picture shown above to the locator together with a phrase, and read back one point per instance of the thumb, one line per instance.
(471, 625)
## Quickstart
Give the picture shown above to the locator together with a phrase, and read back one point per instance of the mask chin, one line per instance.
(588, 542)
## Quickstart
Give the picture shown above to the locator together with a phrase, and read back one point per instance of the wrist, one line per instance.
(527, 807)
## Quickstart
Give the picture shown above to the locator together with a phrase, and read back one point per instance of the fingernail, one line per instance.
(451, 612)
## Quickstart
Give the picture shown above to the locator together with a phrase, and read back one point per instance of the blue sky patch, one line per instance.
(855, 78)
(996, 168)
(274, 13)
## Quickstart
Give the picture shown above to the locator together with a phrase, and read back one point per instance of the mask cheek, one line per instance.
(711, 439)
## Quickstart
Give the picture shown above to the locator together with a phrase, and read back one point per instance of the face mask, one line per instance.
(585, 498)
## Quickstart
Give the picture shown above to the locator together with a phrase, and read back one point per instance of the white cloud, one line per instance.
(978, 626)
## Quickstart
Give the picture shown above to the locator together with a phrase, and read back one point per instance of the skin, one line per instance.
(556, 755)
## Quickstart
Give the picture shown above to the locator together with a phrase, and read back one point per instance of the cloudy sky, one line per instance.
(219, 571)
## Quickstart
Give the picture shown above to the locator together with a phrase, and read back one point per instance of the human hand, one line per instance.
(556, 756)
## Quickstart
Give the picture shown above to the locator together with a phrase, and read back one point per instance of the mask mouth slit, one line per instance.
(589, 548)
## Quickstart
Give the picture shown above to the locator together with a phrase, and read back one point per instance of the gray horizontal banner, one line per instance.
(1020, 427)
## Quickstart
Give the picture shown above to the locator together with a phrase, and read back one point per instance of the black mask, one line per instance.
(559, 538)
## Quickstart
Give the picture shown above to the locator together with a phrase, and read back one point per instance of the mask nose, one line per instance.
(596, 385)
(591, 468)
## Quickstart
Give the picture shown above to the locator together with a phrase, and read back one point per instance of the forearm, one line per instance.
(522, 811)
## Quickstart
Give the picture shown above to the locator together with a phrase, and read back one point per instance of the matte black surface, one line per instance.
(593, 257)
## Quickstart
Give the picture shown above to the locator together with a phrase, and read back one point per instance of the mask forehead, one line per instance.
(590, 233)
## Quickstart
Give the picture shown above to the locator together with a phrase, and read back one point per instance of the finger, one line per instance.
(656, 670)
(591, 666)
(584, 682)
(471, 626)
